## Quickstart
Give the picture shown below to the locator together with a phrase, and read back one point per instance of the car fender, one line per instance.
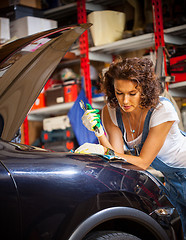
(118, 212)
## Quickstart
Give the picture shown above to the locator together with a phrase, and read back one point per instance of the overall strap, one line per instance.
(146, 125)
(119, 120)
(145, 128)
(120, 124)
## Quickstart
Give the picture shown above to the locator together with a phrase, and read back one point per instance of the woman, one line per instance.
(137, 119)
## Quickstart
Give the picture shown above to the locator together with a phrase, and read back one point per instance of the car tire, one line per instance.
(111, 235)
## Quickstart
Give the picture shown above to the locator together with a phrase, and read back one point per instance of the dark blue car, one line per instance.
(50, 195)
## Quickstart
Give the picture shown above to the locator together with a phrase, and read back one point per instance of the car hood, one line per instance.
(25, 66)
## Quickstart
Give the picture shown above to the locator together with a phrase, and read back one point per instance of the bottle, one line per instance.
(183, 115)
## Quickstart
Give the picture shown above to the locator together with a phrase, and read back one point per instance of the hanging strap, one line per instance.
(146, 125)
(119, 120)
(120, 124)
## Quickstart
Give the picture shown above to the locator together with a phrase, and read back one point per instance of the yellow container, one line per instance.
(108, 26)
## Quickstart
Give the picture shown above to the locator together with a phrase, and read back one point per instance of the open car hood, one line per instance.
(25, 66)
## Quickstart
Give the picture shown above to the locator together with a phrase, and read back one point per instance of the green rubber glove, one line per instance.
(97, 118)
(92, 121)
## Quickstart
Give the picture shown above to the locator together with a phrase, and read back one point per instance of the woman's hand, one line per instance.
(91, 120)
(88, 148)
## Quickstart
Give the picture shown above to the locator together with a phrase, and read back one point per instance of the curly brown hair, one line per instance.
(135, 69)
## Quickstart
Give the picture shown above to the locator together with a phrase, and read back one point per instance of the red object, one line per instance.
(51, 82)
(84, 50)
(178, 68)
(46, 136)
(179, 77)
(181, 60)
(70, 145)
(158, 28)
(40, 101)
(26, 133)
(68, 133)
(158, 24)
(70, 92)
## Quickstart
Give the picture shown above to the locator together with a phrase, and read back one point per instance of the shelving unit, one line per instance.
(71, 8)
(175, 35)
(103, 53)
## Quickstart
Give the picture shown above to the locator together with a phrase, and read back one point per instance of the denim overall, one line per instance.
(175, 178)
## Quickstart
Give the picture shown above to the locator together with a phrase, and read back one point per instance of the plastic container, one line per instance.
(70, 89)
(40, 101)
(108, 26)
(183, 114)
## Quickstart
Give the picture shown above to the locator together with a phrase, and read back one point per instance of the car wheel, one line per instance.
(111, 235)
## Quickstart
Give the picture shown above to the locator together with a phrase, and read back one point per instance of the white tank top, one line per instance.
(173, 151)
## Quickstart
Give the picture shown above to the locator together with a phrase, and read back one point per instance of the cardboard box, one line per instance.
(31, 3)
(17, 12)
(4, 30)
(54, 123)
(54, 96)
(34, 128)
(25, 26)
(28, 3)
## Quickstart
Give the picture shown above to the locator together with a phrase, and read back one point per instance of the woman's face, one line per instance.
(127, 94)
